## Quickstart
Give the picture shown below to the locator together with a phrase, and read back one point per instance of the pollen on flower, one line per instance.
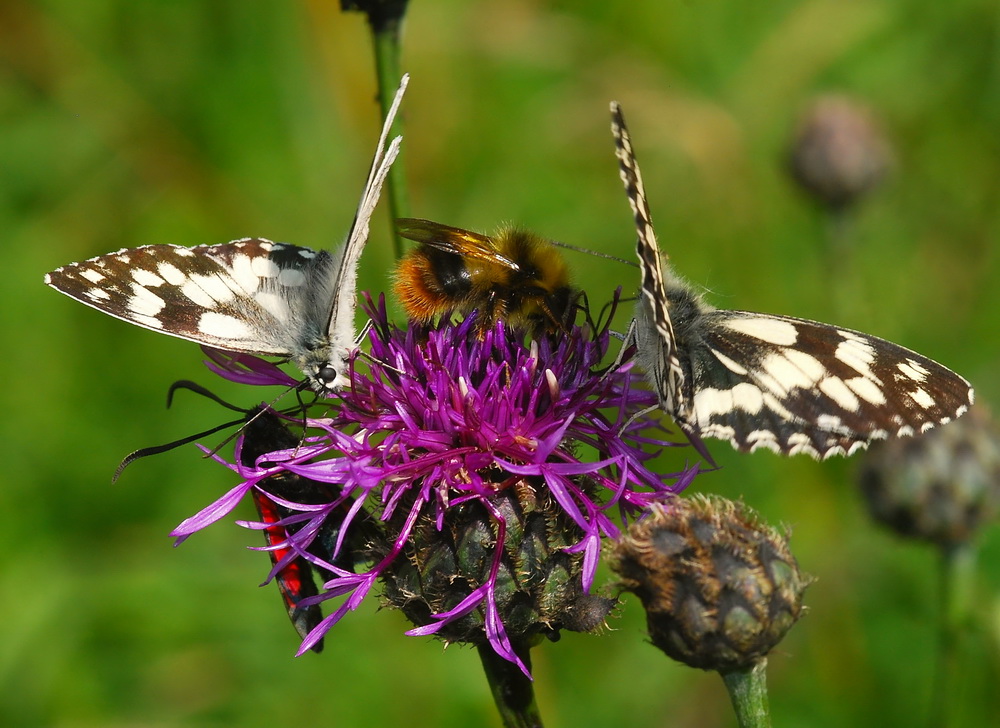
(493, 470)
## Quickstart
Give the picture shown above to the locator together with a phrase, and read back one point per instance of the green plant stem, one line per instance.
(386, 24)
(748, 693)
(512, 689)
(957, 572)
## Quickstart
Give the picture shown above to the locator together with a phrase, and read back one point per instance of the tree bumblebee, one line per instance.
(513, 275)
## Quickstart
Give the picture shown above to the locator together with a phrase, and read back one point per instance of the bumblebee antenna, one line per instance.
(595, 253)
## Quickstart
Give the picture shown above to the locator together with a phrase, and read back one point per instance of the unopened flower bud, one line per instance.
(939, 486)
(838, 153)
(720, 588)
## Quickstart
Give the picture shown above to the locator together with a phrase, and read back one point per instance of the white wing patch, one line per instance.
(147, 279)
(840, 394)
(773, 331)
(912, 370)
(222, 326)
(145, 303)
(867, 388)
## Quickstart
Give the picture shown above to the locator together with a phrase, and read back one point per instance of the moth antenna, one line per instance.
(198, 389)
(204, 392)
(157, 449)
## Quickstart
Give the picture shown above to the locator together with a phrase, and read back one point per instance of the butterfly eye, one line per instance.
(327, 375)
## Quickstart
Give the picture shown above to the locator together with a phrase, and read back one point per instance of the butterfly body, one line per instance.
(766, 381)
(250, 295)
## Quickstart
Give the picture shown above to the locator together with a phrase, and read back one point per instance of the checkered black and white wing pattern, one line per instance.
(775, 382)
(250, 295)
(796, 386)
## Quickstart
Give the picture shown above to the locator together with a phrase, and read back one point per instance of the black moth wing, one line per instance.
(249, 295)
(265, 432)
(793, 385)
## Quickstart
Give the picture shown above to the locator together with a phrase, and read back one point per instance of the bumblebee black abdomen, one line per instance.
(449, 272)
(429, 281)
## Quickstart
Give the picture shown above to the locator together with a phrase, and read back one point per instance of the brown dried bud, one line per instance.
(838, 153)
(720, 588)
(939, 486)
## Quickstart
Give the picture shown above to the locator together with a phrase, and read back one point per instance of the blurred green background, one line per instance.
(125, 123)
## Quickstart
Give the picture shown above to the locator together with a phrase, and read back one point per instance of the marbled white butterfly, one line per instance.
(249, 295)
(775, 382)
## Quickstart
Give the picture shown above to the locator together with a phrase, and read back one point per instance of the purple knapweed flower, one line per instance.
(492, 468)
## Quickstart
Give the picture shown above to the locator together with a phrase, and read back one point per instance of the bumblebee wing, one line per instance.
(457, 241)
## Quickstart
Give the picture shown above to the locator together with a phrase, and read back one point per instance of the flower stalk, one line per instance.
(748, 693)
(513, 692)
(385, 18)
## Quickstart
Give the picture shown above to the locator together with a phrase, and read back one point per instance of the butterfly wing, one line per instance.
(249, 295)
(246, 296)
(657, 343)
(327, 365)
(797, 386)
